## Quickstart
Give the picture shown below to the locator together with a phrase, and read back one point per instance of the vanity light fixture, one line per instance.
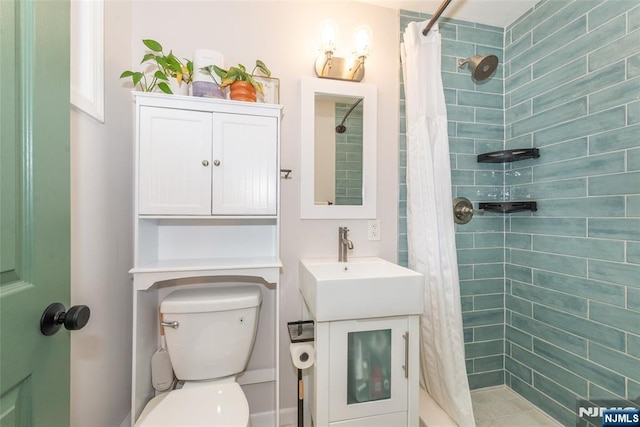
(330, 66)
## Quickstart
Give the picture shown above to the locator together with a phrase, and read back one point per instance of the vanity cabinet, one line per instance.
(206, 163)
(366, 372)
(206, 215)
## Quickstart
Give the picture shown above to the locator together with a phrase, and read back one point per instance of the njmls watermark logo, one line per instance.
(610, 413)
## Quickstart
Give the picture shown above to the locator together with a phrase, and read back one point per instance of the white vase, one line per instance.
(178, 89)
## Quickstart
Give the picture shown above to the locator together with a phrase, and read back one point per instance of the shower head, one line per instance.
(482, 67)
(341, 128)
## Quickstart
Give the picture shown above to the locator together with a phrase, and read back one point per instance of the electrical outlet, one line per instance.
(374, 229)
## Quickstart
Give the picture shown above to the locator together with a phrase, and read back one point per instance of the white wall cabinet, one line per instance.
(206, 215)
(207, 163)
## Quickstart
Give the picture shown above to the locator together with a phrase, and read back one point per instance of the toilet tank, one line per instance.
(216, 332)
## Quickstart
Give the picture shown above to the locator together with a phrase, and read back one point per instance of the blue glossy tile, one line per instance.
(618, 49)
(518, 305)
(588, 248)
(518, 369)
(619, 273)
(562, 339)
(615, 360)
(592, 123)
(489, 240)
(487, 302)
(518, 112)
(558, 263)
(607, 11)
(475, 256)
(617, 139)
(561, 301)
(625, 320)
(457, 81)
(586, 288)
(554, 226)
(633, 252)
(462, 177)
(633, 159)
(481, 193)
(596, 373)
(623, 183)
(565, 73)
(467, 305)
(482, 318)
(529, 20)
(584, 207)
(563, 415)
(486, 333)
(480, 130)
(626, 228)
(519, 273)
(633, 390)
(580, 46)
(458, 49)
(539, 364)
(518, 241)
(633, 345)
(480, 36)
(487, 379)
(481, 287)
(518, 176)
(633, 299)
(562, 113)
(460, 114)
(490, 363)
(615, 95)
(475, 99)
(483, 145)
(565, 188)
(633, 206)
(484, 348)
(464, 240)
(489, 177)
(461, 145)
(465, 272)
(518, 337)
(487, 271)
(524, 141)
(520, 45)
(554, 390)
(489, 115)
(581, 327)
(558, 20)
(633, 113)
(582, 166)
(584, 85)
(633, 66)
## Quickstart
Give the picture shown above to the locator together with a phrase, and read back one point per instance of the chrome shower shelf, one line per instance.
(504, 156)
(508, 207)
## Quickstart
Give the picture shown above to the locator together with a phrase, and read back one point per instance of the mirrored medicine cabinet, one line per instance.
(338, 149)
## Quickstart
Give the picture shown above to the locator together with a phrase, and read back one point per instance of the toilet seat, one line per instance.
(213, 404)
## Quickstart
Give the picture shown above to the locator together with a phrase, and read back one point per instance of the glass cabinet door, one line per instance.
(367, 374)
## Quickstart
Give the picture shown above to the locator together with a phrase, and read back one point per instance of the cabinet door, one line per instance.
(245, 171)
(174, 162)
(367, 375)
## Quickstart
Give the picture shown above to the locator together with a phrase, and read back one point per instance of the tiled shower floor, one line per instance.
(501, 406)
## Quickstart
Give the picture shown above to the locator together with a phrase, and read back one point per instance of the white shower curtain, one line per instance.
(430, 229)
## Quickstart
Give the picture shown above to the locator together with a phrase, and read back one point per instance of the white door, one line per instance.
(367, 364)
(245, 171)
(174, 161)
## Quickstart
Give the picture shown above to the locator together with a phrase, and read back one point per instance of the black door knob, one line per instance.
(55, 316)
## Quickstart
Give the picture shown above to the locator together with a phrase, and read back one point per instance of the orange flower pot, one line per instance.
(242, 91)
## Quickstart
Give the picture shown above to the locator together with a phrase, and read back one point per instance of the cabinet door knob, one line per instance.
(205, 163)
(216, 162)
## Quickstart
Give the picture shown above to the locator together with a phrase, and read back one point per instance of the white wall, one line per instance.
(286, 36)
(101, 240)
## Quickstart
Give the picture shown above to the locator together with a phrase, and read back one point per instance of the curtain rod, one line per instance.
(435, 17)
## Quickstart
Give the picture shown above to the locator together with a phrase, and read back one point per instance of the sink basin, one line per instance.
(360, 288)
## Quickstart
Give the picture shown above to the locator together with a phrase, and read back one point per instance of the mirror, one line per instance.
(338, 149)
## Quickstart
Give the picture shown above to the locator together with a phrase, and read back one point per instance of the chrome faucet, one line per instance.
(343, 244)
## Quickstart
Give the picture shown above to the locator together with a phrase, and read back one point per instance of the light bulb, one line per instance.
(329, 35)
(362, 37)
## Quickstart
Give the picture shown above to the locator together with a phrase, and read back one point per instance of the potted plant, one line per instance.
(171, 76)
(242, 85)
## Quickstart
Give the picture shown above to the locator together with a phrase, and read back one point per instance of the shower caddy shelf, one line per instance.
(505, 156)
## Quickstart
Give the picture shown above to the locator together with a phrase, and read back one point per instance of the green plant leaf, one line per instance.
(126, 74)
(160, 75)
(190, 67)
(242, 67)
(219, 71)
(136, 77)
(165, 88)
(255, 84)
(147, 57)
(152, 45)
(173, 63)
(263, 68)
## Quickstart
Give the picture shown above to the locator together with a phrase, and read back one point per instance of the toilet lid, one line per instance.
(207, 405)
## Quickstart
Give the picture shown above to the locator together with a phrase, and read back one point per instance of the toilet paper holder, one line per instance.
(301, 331)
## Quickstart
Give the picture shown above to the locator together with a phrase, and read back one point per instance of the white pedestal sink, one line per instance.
(361, 288)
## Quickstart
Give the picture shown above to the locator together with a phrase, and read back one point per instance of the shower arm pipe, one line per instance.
(435, 17)
(355, 104)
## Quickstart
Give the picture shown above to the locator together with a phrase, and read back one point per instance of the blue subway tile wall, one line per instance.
(578, 108)
(476, 125)
(570, 75)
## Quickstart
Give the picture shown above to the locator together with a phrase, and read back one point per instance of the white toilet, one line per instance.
(212, 343)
